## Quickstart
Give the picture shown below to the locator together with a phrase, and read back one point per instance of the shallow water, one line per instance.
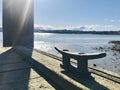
(81, 43)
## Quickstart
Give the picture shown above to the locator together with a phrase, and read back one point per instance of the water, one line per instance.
(80, 43)
(76, 42)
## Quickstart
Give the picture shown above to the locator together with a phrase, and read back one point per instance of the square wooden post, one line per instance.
(18, 23)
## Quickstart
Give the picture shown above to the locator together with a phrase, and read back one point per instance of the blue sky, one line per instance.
(76, 14)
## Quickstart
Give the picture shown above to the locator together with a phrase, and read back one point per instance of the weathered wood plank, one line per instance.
(50, 68)
(6, 57)
(14, 76)
(15, 66)
(66, 80)
(36, 82)
(15, 86)
(40, 84)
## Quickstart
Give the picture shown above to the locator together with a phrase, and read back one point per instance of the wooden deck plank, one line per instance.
(22, 78)
(6, 57)
(37, 82)
(13, 67)
(51, 68)
(16, 74)
(15, 86)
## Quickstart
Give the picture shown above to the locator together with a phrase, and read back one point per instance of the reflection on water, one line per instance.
(42, 46)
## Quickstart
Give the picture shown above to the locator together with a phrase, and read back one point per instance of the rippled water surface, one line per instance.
(82, 43)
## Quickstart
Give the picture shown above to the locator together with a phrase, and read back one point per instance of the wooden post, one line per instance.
(66, 61)
(18, 23)
(82, 66)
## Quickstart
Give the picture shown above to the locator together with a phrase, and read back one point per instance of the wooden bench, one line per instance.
(82, 60)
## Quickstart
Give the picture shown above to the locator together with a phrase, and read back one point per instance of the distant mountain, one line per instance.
(75, 31)
(36, 29)
(78, 32)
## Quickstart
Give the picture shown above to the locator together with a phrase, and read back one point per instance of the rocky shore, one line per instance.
(112, 61)
(113, 45)
(116, 45)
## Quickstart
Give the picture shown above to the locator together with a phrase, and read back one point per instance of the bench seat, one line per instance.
(82, 60)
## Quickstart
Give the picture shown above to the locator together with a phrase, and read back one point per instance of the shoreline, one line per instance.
(79, 32)
(113, 52)
(114, 45)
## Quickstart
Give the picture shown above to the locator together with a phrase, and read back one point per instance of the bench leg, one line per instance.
(65, 61)
(82, 66)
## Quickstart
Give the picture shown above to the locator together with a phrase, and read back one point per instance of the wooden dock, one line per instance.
(26, 69)
(16, 74)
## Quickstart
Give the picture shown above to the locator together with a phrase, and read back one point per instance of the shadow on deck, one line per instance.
(15, 69)
(89, 82)
(14, 73)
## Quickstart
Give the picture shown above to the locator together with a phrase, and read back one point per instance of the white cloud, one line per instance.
(80, 27)
(44, 27)
(112, 20)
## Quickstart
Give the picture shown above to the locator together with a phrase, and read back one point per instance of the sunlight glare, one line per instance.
(24, 17)
(25, 13)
